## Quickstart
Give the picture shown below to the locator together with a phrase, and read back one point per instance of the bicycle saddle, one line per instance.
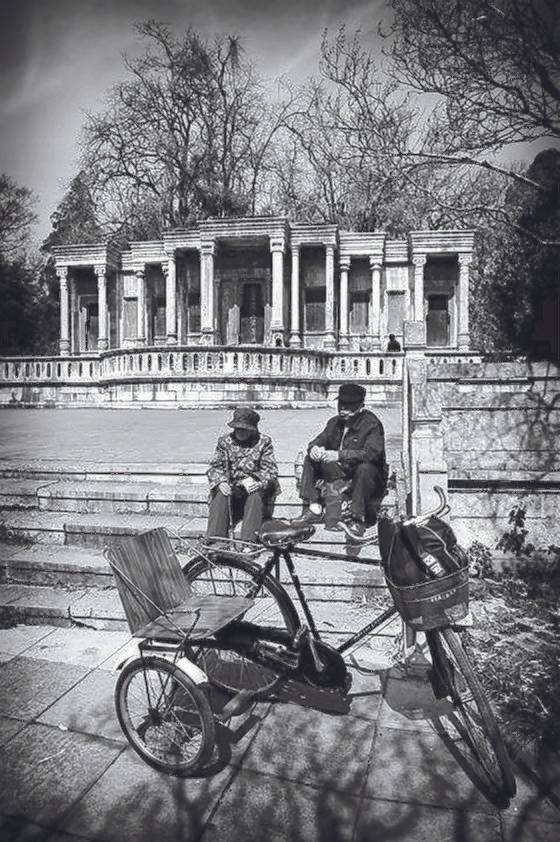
(280, 533)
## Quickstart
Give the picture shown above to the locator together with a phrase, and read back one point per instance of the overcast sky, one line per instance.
(59, 57)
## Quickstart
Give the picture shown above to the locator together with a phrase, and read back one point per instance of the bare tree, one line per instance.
(188, 135)
(488, 73)
(348, 162)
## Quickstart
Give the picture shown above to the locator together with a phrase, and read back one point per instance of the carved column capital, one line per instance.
(375, 263)
(465, 260)
(277, 244)
(344, 263)
(101, 271)
(62, 274)
(419, 260)
(140, 273)
(208, 248)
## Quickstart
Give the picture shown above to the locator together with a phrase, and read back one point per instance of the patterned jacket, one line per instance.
(233, 462)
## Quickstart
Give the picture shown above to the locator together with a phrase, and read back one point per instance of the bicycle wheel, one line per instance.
(229, 669)
(471, 706)
(165, 717)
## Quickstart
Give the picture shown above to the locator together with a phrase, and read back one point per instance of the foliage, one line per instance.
(514, 539)
(75, 218)
(16, 217)
(480, 559)
(515, 640)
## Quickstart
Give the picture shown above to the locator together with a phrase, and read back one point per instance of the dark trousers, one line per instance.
(250, 507)
(367, 485)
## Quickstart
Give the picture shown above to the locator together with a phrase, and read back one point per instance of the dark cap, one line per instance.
(351, 393)
(244, 418)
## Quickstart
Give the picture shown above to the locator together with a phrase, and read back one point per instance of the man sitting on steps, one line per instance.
(347, 457)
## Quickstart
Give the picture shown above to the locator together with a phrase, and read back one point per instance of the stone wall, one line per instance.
(490, 432)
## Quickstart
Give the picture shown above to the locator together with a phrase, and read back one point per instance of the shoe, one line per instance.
(306, 518)
(353, 528)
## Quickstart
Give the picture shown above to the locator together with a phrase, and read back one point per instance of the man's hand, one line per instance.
(249, 484)
(329, 456)
(316, 453)
(225, 488)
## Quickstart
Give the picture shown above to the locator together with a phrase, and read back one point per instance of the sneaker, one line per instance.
(353, 528)
(306, 518)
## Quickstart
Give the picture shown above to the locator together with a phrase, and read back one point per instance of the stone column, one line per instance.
(141, 307)
(375, 267)
(295, 338)
(329, 302)
(419, 261)
(170, 273)
(343, 341)
(207, 291)
(277, 320)
(64, 341)
(101, 272)
(463, 333)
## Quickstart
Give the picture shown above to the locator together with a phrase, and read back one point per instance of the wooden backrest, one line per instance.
(148, 576)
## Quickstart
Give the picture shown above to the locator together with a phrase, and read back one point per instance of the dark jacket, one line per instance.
(364, 440)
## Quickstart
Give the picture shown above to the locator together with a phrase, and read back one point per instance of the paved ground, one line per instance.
(306, 769)
(154, 435)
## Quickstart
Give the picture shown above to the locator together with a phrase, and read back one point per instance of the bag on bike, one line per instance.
(426, 572)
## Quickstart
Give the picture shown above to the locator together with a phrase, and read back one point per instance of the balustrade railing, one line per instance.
(201, 362)
(84, 369)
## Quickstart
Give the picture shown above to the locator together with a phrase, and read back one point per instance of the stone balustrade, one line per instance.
(212, 363)
(17, 370)
(445, 356)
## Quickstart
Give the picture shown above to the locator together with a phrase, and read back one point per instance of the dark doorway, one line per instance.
(437, 320)
(251, 328)
(91, 325)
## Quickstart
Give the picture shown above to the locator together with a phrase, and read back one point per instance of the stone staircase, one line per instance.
(57, 517)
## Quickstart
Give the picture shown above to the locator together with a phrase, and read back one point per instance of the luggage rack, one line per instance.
(224, 547)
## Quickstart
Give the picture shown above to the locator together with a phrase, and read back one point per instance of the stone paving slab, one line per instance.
(131, 801)
(317, 749)
(56, 767)
(88, 708)
(382, 819)
(17, 640)
(408, 702)
(9, 727)
(18, 830)
(28, 686)
(523, 829)
(421, 765)
(257, 807)
(83, 647)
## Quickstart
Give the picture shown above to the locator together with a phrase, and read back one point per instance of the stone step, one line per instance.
(102, 609)
(78, 567)
(100, 529)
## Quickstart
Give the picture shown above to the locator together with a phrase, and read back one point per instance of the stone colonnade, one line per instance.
(281, 237)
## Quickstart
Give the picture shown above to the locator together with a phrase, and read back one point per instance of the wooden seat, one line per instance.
(156, 598)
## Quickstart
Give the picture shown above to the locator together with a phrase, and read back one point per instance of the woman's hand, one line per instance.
(225, 488)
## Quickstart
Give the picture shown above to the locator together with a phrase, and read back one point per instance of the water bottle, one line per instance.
(435, 566)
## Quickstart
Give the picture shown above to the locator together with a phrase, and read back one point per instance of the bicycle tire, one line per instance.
(472, 706)
(232, 670)
(166, 718)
